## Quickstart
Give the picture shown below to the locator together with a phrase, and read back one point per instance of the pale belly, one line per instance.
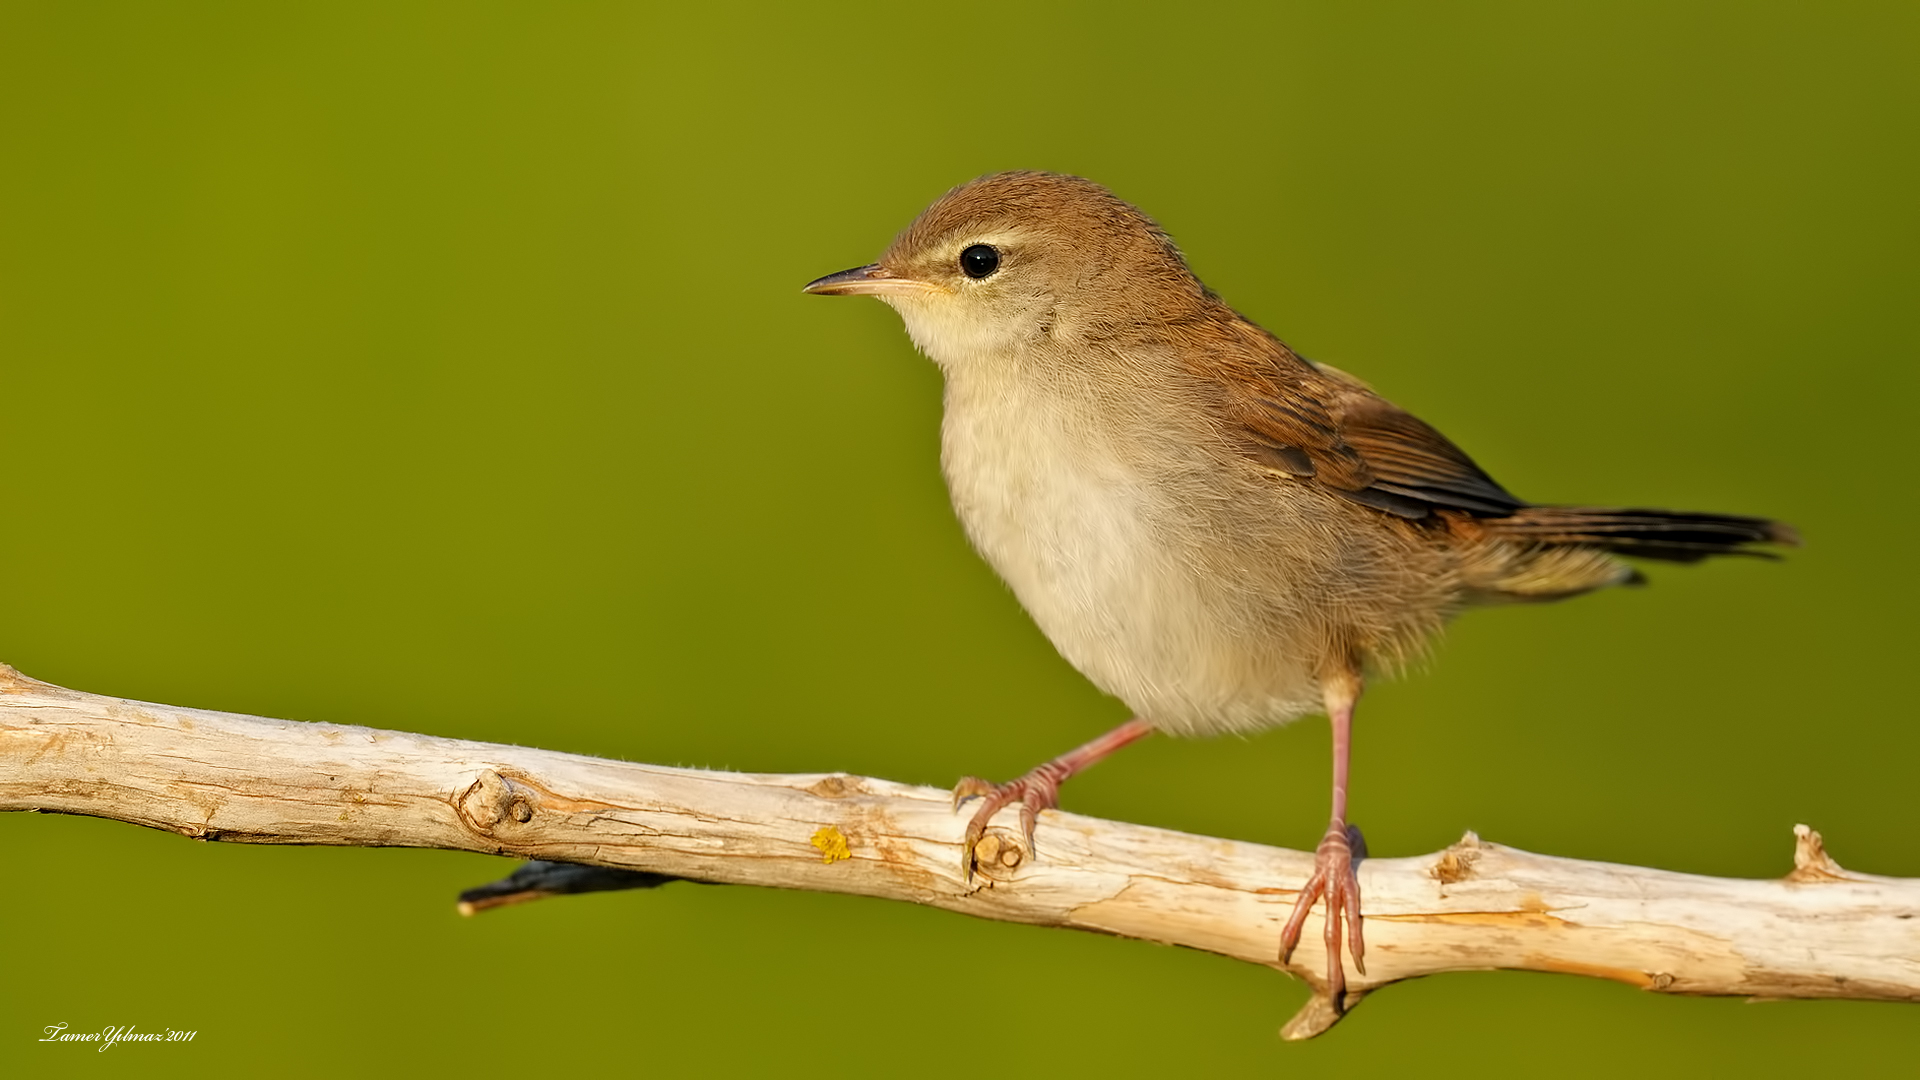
(1105, 564)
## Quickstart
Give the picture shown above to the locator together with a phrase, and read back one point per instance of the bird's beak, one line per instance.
(874, 280)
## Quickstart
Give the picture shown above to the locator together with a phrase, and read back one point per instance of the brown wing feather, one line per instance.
(1408, 457)
(1309, 421)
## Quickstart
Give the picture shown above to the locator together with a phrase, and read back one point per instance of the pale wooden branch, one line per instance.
(1819, 932)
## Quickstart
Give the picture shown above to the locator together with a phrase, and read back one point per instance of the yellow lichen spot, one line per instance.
(832, 844)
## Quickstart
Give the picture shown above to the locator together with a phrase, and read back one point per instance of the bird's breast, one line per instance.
(1075, 508)
(1061, 517)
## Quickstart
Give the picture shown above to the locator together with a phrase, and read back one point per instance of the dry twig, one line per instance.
(1819, 932)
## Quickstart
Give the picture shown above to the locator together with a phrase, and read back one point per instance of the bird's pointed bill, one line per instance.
(872, 280)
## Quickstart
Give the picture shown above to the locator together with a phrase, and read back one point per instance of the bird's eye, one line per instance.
(979, 260)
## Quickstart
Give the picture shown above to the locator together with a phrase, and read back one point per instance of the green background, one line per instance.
(444, 367)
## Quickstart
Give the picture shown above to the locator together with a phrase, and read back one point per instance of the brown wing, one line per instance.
(1411, 459)
(1313, 422)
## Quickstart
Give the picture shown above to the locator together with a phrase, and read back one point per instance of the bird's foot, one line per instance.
(1333, 878)
(1038, 790)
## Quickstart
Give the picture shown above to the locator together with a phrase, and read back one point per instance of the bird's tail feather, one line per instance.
(1672, 535)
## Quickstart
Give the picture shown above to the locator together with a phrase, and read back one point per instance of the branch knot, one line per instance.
(492, 800)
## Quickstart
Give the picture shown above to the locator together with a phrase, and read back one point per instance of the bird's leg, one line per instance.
(1333, 874)
(1039, 789)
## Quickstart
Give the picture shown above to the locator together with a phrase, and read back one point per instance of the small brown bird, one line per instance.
(1221, 534)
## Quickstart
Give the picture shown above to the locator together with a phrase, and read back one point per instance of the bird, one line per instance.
(1211, 528)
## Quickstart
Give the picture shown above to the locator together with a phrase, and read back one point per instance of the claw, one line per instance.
(972, 787)
(1038, 790)
(1335, 880)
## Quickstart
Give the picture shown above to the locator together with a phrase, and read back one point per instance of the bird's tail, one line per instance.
(1672, 535)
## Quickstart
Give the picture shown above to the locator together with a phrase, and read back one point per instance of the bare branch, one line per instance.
(1820, 932)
